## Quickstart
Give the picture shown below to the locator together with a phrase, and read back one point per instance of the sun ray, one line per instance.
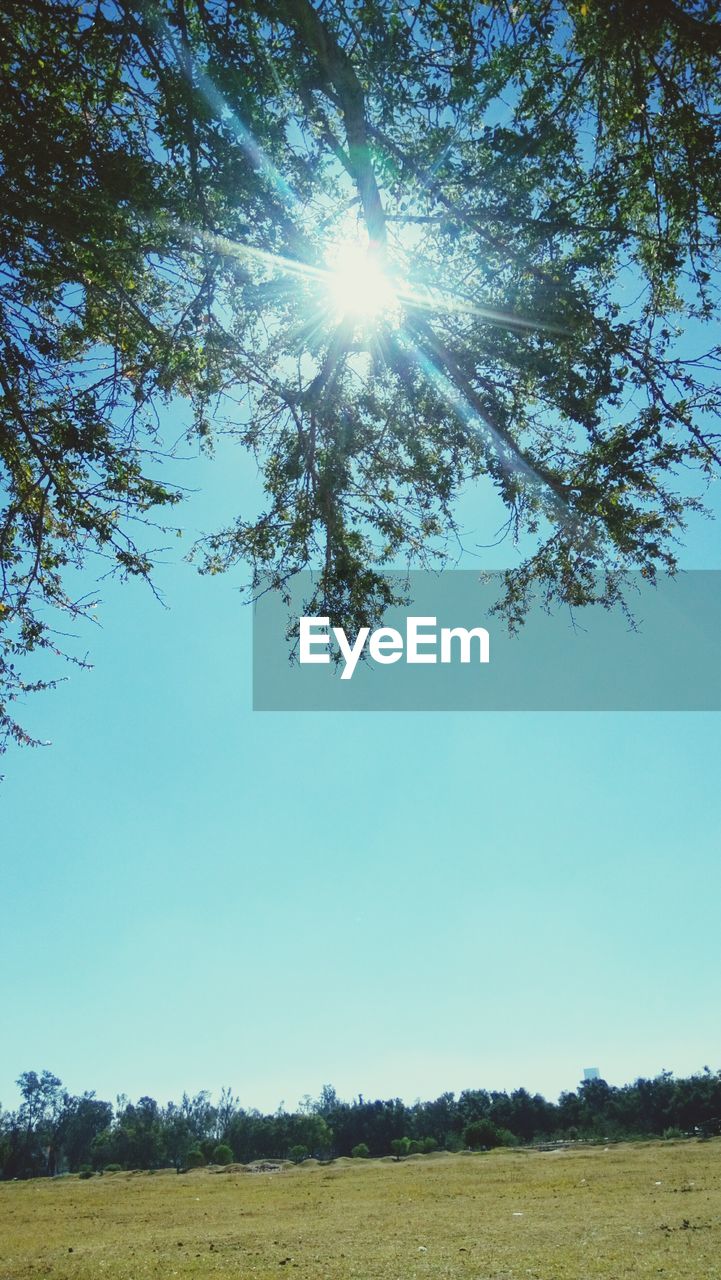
(198, 78)
(438, 301)
(510, 457)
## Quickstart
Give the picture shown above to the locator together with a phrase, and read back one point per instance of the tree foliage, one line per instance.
(53, 1132)
(176, 176)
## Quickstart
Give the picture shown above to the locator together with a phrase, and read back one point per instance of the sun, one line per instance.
(357, 284)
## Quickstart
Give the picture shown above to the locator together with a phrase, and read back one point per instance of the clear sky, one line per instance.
(399, 904)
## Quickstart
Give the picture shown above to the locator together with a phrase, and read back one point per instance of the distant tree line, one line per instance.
(53, 1131)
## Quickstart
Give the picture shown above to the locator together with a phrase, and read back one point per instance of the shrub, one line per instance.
(482, 1133)
(85, 1171)
(113, 1168)
(195, 1159)
(298, 1153)
(400, 1147)
(507, 1138)
(360, 1151)
(429, 1144)
(222, 1154)
(670, 1134)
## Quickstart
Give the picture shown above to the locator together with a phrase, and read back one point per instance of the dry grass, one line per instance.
(651, 1209)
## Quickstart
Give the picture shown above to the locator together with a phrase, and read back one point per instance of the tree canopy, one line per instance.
(54, 1132)
(393, 250)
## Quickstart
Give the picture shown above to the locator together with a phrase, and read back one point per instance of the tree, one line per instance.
(178, 1135)
(222, 1154)
(138, 1139)
(382, 247)
(39, 1120)
(482, 1133)
(200, 1115)
(315, 1133)
(82, 1121)
(360, 1151)
(598, 1099)
(326, 1104)
(442, 1118)
(228, 1106)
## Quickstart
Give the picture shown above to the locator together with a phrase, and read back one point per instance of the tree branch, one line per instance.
(339, 71)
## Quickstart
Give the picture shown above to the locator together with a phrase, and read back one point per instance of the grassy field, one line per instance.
(649, 1209)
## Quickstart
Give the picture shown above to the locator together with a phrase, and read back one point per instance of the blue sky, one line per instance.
(197, 895)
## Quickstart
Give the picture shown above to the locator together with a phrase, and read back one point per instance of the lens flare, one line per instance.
(357, 284)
